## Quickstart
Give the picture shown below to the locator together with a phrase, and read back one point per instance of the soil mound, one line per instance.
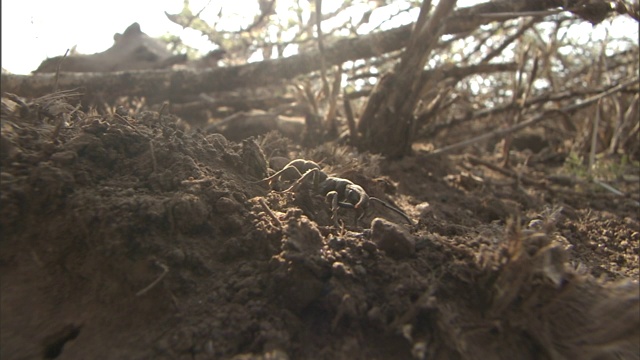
(125, 237)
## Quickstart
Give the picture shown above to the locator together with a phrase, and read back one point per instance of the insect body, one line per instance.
(338, 191)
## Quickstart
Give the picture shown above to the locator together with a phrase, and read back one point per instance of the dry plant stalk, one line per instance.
(535, 119)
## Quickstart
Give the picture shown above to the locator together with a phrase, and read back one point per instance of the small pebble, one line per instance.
(369, 246)
(392, 239)
(360, 270)
(535, 224)
(424, 208)
(339, 269)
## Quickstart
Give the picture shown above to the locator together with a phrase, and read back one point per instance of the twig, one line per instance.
(351, 122)
(55, 84)
(165, 271)
(330, 118)
(518, 177)
(509, 40)
(165, 106)
(63, 119)
(623, 122)
(615, 191)
(518, 102)
(270, 213)
(198, 181)
(543, 185)
(323, 65)
(24, 108)
(457, 73)
(594, 138)
(609, 188)
(532, 121)
(128, 123)
(153, 156)
(174, 300)
(511, 15)
(151, 148)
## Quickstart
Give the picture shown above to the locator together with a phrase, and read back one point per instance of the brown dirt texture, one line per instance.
(127, 237)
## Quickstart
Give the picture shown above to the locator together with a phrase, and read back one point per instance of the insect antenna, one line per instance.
(391, 207)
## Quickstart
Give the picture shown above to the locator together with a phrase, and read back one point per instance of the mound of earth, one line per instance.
(127, 238)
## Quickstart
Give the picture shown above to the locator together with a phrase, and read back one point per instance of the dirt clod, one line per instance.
(392, 239)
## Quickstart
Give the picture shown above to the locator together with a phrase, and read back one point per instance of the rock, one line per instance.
(392, 239)
(424, 208)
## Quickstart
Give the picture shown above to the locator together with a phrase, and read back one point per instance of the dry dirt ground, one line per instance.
(123, 237)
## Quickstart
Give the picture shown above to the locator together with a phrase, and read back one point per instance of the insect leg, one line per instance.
(290, 168)
(332, 197)
(311, 173)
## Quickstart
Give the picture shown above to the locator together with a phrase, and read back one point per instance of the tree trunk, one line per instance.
(388, 121)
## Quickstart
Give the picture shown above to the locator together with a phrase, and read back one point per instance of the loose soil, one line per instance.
(125, 237)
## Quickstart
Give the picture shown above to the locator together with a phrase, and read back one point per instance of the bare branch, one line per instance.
(534, 120)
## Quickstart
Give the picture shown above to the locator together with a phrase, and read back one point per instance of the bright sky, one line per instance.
(33, 30)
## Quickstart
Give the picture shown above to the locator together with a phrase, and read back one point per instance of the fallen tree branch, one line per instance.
(534, 120)
(458, 73)
(433, 130)
(506, 172)
(165, 84)
(177, 83)
(544, 184)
